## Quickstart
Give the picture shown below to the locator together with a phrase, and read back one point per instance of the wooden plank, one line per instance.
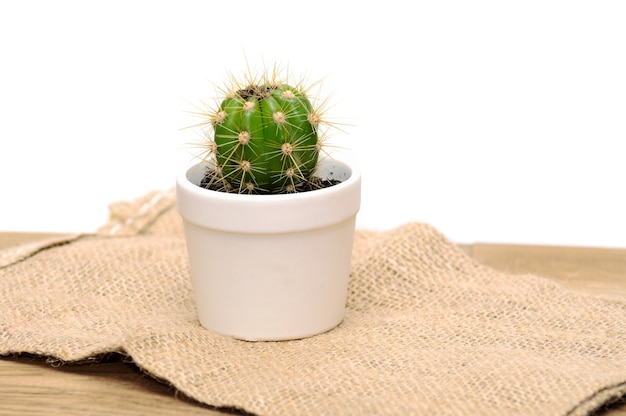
(590, 270)
(31, 385)
(9, 239)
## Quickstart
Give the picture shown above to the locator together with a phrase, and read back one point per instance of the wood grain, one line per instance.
(113, 385)
(31, 385)
(589, 270)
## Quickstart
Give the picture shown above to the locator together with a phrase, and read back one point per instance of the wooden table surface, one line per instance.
(31, 385)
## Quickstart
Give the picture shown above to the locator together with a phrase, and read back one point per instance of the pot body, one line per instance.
(270, 267)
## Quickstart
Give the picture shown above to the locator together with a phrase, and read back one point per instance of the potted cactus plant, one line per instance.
(269, 218)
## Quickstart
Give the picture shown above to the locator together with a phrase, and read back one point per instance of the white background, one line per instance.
(494, 121)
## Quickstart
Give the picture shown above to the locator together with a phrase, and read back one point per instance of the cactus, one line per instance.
(266, 137)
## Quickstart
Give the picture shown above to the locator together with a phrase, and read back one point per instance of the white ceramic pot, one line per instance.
(270, 267)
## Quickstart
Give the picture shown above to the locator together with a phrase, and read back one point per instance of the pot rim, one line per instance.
(277, 213)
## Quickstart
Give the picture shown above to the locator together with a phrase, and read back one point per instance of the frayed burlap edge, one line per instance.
(126, 219)
(21, 252)
(129, 218)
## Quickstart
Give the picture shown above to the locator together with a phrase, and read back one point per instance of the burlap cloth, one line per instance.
(427, 331)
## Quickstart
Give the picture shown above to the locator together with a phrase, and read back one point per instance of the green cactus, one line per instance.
(266, 137)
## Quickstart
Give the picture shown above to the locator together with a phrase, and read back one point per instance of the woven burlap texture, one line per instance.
(427, 329)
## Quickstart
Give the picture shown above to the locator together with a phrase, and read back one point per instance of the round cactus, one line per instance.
(265, 138)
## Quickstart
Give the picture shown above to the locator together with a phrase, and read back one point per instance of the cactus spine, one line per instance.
(265, 137)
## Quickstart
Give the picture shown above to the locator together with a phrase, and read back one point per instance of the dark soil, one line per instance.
(210, 181)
